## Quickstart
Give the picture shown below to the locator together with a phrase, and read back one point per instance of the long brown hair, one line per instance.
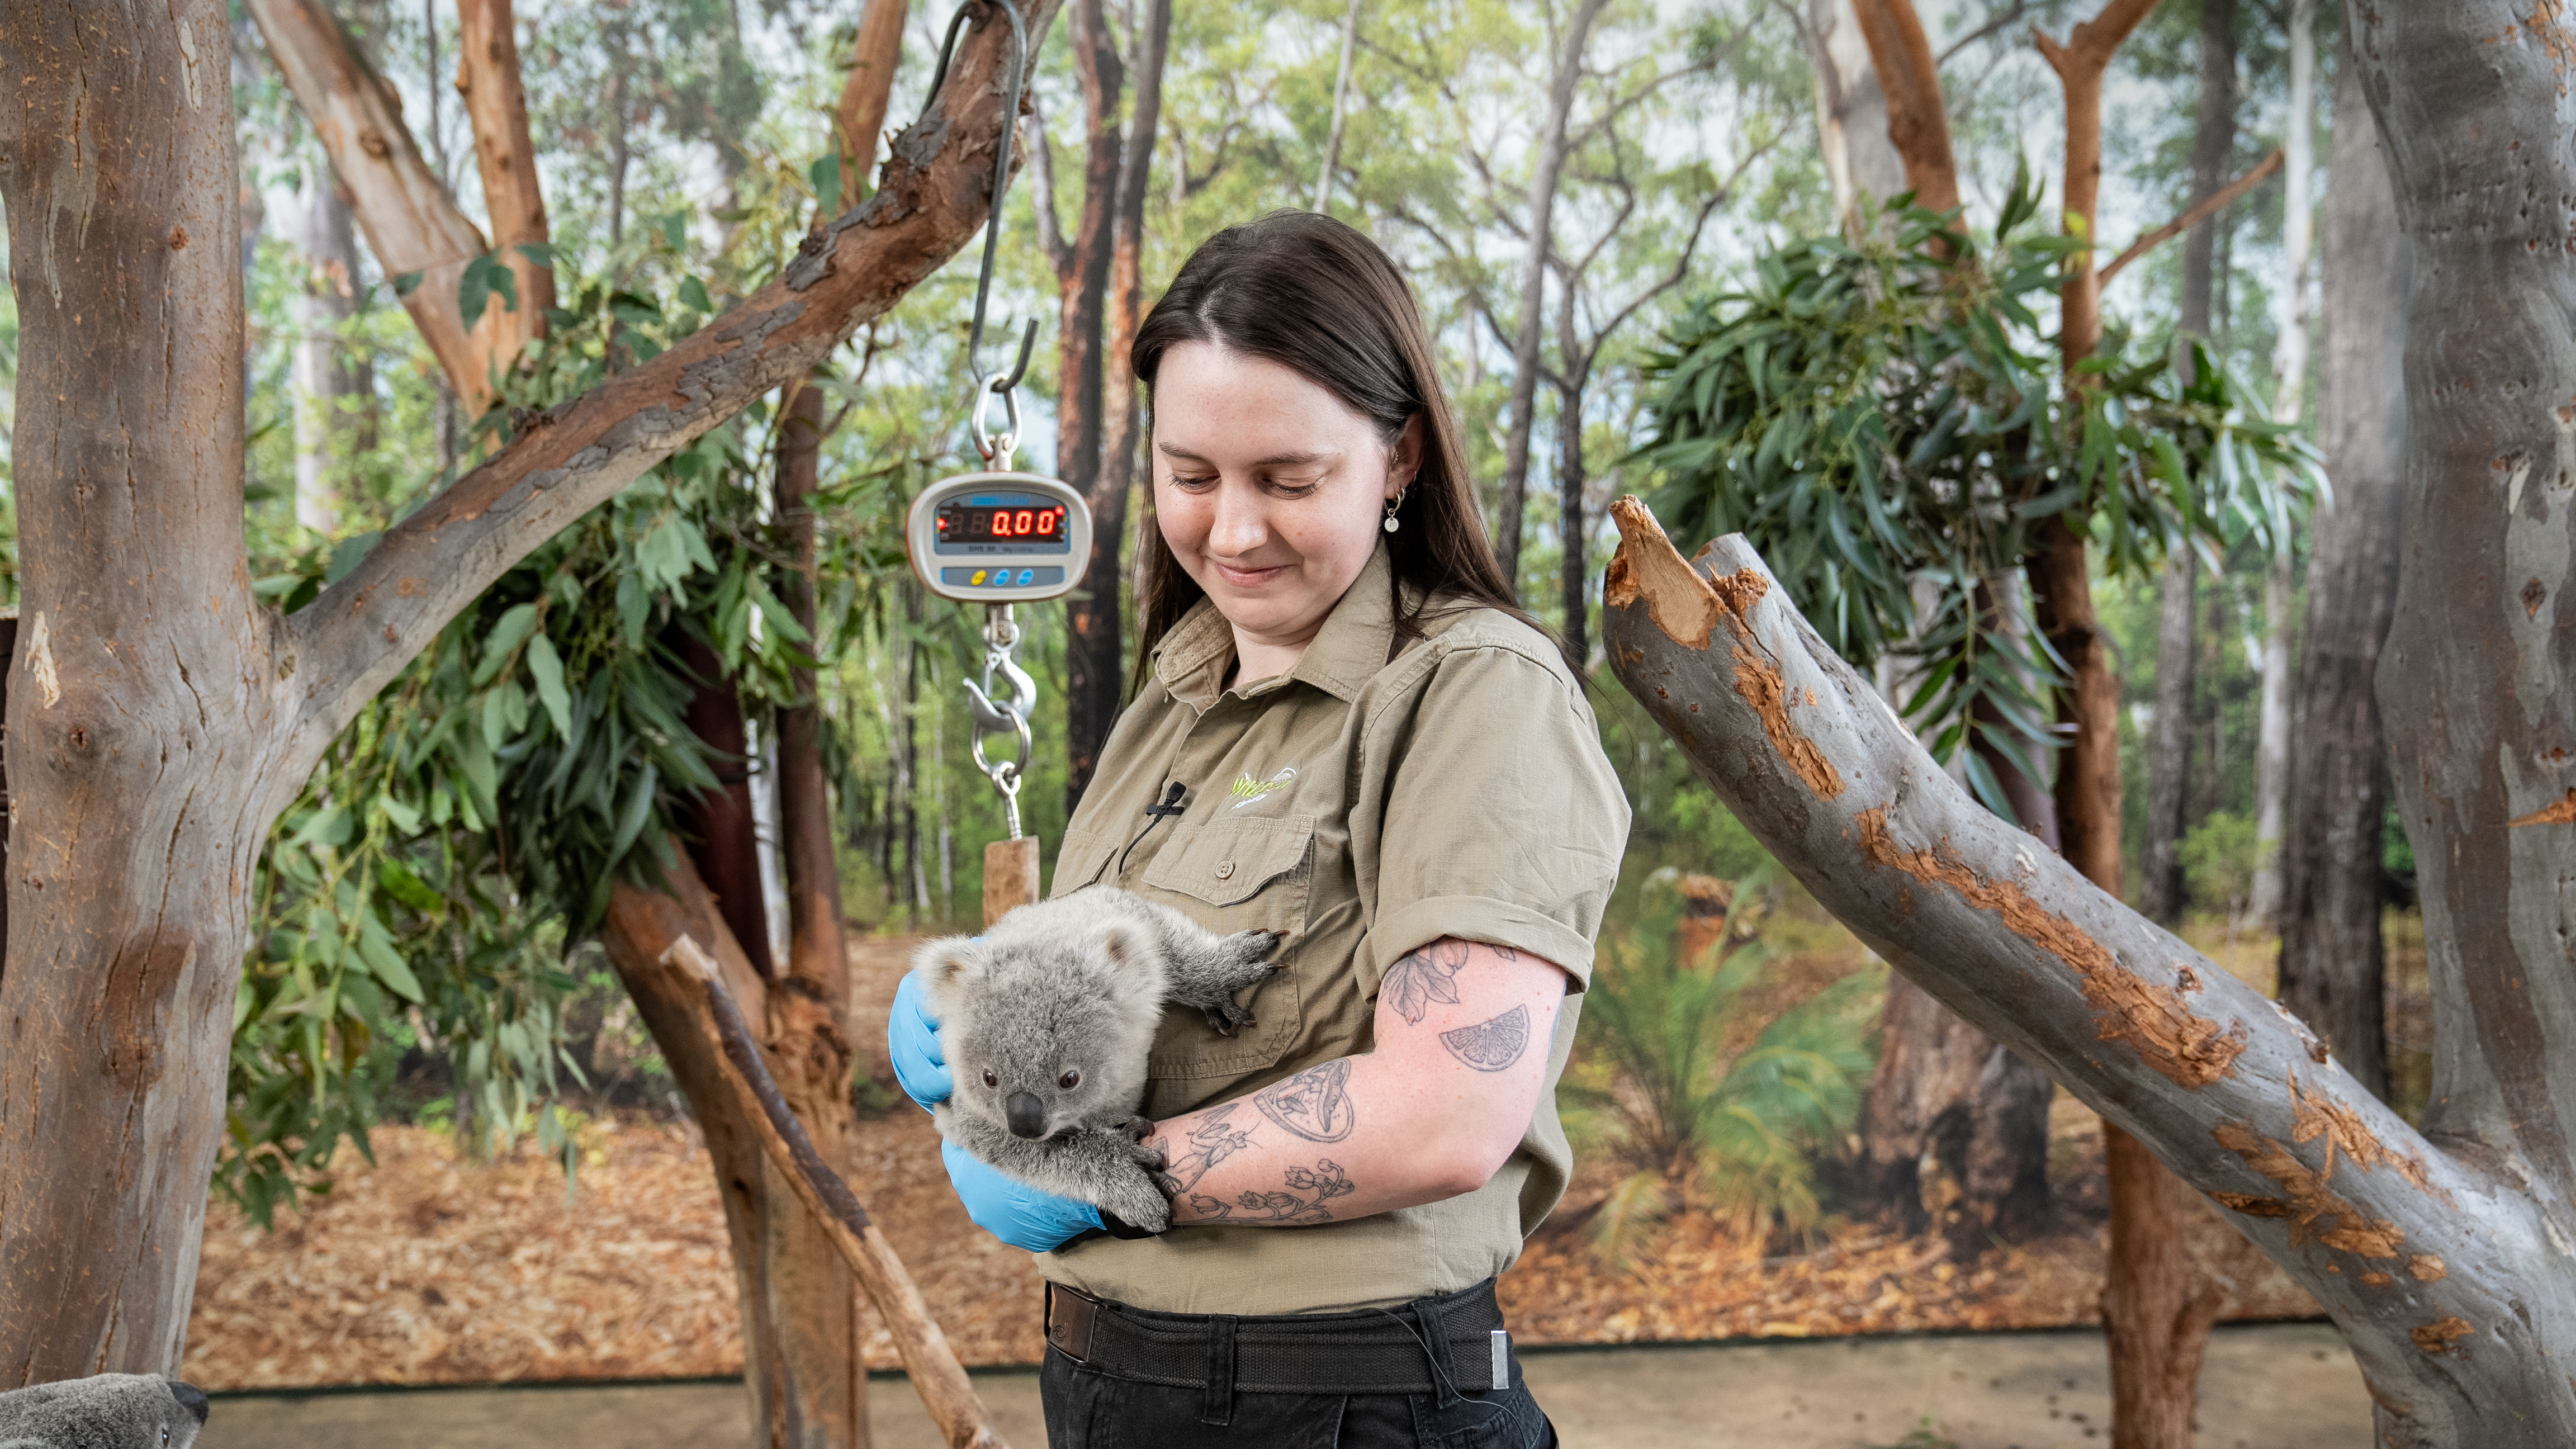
(1319, 298)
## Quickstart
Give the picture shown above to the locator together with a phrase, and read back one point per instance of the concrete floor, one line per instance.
(2287, 1386)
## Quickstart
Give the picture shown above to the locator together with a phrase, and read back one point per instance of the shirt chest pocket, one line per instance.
(1237, 875)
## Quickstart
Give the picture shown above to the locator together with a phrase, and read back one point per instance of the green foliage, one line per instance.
(2218, 860)
(1884, 417)
(1735, 1134)
(478, 813)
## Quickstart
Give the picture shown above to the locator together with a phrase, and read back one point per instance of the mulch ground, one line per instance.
(425, 1269)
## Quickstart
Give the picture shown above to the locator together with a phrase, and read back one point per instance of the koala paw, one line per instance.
(1225, 1018)
(1134, 1200)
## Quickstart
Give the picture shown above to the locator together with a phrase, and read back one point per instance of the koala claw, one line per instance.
(1226, 1019)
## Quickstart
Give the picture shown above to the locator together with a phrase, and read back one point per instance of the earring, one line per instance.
(1393, 504)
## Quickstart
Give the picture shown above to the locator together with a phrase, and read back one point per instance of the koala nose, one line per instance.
(1027, 1115)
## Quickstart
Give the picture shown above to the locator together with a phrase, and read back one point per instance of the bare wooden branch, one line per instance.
(2398, 1239)
(496, 103)
(1917, 122)
(2210, 206)
(411, 223)
(945, 1390)
(344, 646)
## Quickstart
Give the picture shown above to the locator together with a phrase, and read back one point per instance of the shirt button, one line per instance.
(1225, 870)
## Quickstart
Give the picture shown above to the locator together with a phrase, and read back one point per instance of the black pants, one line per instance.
(1106, 1404)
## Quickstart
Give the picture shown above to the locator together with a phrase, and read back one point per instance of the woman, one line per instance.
(1343, 730)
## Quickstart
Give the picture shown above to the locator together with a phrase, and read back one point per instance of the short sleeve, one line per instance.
(1503, 821)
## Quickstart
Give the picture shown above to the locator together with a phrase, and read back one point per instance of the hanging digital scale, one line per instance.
(999, 538)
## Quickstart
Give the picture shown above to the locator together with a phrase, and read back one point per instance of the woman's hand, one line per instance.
(1011, 1210)
(912, 1042)
(1464, 1032)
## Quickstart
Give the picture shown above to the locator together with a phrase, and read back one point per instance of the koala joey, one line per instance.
(1045, 1023)
(105, 1411)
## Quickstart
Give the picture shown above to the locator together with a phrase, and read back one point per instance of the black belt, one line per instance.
(1407, 1350)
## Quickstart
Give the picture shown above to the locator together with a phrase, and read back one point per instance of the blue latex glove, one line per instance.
(1020, 1215)
(912, 1040)
(1009, 1209)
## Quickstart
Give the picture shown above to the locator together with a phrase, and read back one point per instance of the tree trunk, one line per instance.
(2147, 1309)
(2290, 363)
(1098, 629)
(175, 716)
(2436, 1261)
(2213, 148)
(325, 375)
(2330, 970)
(1851, 111)
(1341, 100)
(2160, 893)
(1569, 511)
(1918, 124)
(1945, 1094)
(2213, 151)
(129, 777)
(721, 835)
(808, 1015)
(411, 223)
(1092, 650)
(496, 102)
(861, 113)
(1531, 325)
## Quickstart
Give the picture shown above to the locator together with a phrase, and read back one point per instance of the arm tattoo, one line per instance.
(1325, 1180)
(1212, 1142)
(1424, 976)
(1493, 1045)
(1315, 1104)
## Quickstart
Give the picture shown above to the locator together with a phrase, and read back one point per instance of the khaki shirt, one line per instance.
(1364, 807)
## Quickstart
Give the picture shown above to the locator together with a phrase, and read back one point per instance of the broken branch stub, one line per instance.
(2395, 1238)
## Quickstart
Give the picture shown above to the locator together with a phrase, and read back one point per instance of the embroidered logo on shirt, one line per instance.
(1249, 791)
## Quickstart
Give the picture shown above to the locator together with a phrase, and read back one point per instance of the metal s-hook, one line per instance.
(997, 716)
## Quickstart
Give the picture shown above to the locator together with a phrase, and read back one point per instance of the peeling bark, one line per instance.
(2396, 1237)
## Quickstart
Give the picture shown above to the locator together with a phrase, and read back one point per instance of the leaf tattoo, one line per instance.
(1213, 1142)
(1315, 1104)
(1424, 976)
(1493, 1045)
(1325, 1180)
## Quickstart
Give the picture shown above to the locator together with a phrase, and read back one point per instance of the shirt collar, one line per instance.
(1192, 660)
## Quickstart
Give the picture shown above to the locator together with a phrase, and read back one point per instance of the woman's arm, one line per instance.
(1463, 1035)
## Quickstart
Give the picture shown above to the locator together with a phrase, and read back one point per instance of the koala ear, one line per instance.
(945, 962)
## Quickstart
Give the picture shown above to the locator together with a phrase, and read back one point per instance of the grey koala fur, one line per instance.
(1072, 990)
(108, 1411)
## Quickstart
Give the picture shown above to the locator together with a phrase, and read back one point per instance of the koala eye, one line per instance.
(1069, 1080)
(992, 1081)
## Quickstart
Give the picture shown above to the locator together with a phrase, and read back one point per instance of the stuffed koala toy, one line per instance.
(109, 1411)
(1045, 1023)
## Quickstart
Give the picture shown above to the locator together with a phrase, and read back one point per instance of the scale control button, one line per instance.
(1225, 870)
(976, 577)
(1026, 575)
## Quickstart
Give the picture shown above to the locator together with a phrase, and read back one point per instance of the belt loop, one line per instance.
(1435, 1342)
(1219, 1408)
